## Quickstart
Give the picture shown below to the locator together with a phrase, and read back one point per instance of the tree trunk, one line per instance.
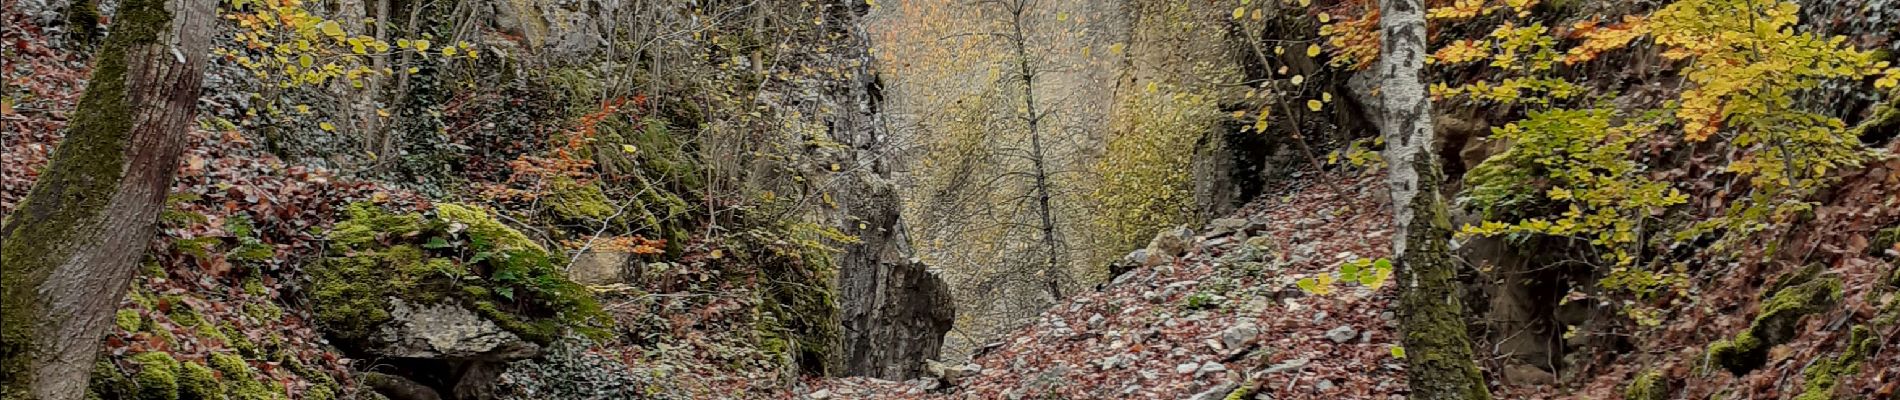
(1438, 353)
(72, 246)
(1053, 272)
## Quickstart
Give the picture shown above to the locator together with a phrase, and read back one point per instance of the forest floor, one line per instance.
(1228, 314)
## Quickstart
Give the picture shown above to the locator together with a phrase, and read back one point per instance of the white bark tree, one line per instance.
(1438, 352)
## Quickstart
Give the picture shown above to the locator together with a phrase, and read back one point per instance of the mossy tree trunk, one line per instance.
(1439, 364)
(74, 243)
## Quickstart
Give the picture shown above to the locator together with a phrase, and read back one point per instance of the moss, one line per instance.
(164, 336)
(254, 286)
(483, 227)
(157, 378)
(1820, 379)
(107, 382)
(128, 320)
(1884, 240)
(264, 311)
(241, 380)
(462, 255)
(799, 317)
(198, 382)
(142, 299)
(1648, 385)
(211, 332)
(236, 339)
(575, 201)
(1799, 295)
(364, 223)
(182, 314)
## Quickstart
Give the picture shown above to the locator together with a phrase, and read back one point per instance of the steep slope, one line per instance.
(529, 213)
(1226, 315)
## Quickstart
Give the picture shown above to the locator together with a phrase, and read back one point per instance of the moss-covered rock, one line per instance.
(1648, 385)
(459, 254)
(574, 201)
(1794, 297)
(798, 312)
(1884, 240)
(1821, 378)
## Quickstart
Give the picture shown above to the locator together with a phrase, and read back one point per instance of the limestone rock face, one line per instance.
(896, 320)
(895, 311)
(448, 332)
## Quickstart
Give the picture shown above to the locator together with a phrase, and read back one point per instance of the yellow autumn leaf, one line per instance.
(1240, 12)
(330, 28)
(326, 126)
(1315, 105)
(1312, 50)
(1326, 97)
(1299, 79)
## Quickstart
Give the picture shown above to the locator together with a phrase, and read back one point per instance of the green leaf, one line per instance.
(436, 243)
(1398, 351)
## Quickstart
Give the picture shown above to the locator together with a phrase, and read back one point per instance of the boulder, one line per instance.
(598, 267)
(951, 372)
(1225, 226)
(447, 331)
(1342, 334)
(1171, 243)
(1239, 334)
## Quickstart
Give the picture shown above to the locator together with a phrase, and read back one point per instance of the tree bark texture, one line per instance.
(72, 246)
(1438, 352)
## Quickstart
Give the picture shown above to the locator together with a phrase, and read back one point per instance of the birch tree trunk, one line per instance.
(72, 246)
(1438, 353)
